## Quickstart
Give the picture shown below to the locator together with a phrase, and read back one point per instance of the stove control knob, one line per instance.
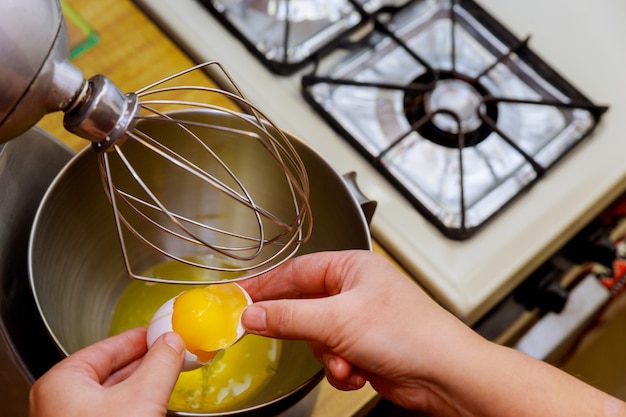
(592, 244)
(542, 290)
(553, 298)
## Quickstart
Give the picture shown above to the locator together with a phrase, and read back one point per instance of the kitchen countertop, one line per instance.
(116, 39)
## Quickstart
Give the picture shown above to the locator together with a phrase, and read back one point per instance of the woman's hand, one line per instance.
(117, 376)
(366, 321)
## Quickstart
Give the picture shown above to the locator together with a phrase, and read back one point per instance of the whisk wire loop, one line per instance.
(219, 188)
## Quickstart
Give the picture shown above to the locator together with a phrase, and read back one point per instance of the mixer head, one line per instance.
(35, 75)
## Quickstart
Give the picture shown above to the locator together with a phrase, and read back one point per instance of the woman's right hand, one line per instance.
(364, 319)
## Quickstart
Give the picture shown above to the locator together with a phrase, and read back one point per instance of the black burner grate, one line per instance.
(461, 129)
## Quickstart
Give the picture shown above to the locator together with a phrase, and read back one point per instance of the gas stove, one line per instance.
(456, 112)
(508, 100)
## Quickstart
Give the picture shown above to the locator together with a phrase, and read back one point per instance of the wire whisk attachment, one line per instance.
(196, 173)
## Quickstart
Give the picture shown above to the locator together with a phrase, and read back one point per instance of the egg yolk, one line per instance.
(207, 318)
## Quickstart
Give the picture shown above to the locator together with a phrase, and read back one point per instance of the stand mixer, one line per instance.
(339, 220)
(37, 78)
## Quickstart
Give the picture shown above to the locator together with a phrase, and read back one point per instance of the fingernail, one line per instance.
(254, 318)
(332, 363)
(357, 381)
(174, 341)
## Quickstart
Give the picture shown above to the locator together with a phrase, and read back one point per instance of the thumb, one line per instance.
(161, 366)
(298, 319)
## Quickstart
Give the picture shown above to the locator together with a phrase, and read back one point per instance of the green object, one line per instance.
(82, 36)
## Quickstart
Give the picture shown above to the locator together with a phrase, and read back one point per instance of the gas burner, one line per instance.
(285, 35)
(450, 113)
(454, 110)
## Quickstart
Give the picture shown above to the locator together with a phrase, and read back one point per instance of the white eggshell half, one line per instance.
(241, 332)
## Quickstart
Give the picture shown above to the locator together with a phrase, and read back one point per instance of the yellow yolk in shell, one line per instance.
(207, 318)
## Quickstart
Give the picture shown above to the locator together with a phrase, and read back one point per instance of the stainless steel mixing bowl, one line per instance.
(77, 273)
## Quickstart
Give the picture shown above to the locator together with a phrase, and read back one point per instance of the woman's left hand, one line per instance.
(117, 376)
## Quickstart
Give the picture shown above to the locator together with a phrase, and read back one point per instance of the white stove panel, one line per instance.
(581, 40)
